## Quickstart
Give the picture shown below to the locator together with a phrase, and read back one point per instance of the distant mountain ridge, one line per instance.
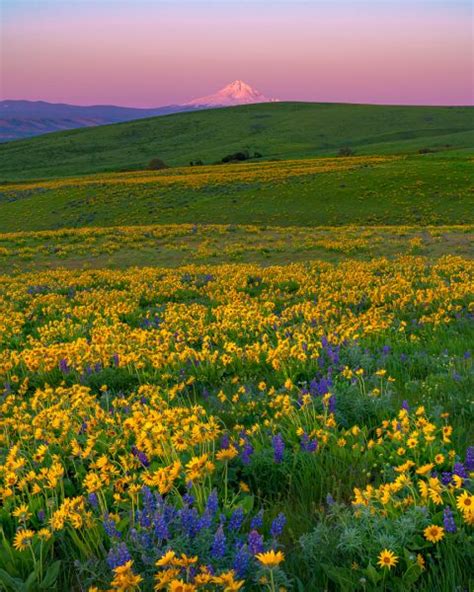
(23, 119)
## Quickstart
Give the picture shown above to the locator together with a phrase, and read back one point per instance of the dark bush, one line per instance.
(425, 151)
(345, 151)
(157, 164)
(236, 157)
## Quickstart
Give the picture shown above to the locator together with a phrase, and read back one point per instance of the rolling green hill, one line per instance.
(276, 130)
(421, 189)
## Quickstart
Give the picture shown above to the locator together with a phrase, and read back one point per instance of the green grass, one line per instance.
(417, 190)
(279, 130)
(178, 245)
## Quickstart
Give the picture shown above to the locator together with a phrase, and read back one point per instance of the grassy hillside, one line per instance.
(308, 192)
(278, 130)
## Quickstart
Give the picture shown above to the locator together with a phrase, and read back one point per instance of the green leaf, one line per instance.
(373, 574)
(31, 584)
(247, 503)
(341, 576)
(10, 583)
(411, 575)
(51, 576)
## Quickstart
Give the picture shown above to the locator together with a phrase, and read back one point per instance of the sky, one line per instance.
(148, 53)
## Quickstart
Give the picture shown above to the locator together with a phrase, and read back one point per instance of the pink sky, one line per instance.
(143, 53)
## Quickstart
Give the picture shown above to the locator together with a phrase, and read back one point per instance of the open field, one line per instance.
(374, 190)
(336, 398)
(276, 130)
(252, 377)
(181, 244)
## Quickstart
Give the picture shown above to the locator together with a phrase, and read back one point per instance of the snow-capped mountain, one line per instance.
(235, 93)
(23, 119)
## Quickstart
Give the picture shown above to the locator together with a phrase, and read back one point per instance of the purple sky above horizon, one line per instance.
(147, 53)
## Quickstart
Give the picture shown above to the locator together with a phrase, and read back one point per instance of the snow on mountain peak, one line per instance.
(235, 93)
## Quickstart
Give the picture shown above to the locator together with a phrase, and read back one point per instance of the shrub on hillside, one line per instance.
(240, 156)
(345, 151)
(157, 164)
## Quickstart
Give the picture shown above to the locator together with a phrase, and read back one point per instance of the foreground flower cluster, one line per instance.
(237, 428)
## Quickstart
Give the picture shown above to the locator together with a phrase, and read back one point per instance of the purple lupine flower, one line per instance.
(142, 457)
(330, 500)
(118, 555)
(255, 542)
(257, 521)
(459, 470)
(133, 536)
(225, 441)
(115, 360)
(63, 366)
(149, 501)
(219, 544)
(187, 497)
(241, 561)
(110, 528)
(212, 504)
(205, 521)
(469, 462)
(169, 512)
(246, 453)
(160, 527)
(145, 540)
(93, 500)
(308, 445)
(278, 448)
(405, 405)
(144, 519)
(333, 355)
(320, 387)
(448, 520)
(278, 525)
(236, 519)
(189, 521)
(332, 404)
(41, 515)
(211, 570)
(446, 478)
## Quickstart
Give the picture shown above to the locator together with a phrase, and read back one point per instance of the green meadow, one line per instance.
(413, 190)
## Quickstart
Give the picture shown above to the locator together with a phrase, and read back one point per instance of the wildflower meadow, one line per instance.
(238, 427)
(236, 296)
